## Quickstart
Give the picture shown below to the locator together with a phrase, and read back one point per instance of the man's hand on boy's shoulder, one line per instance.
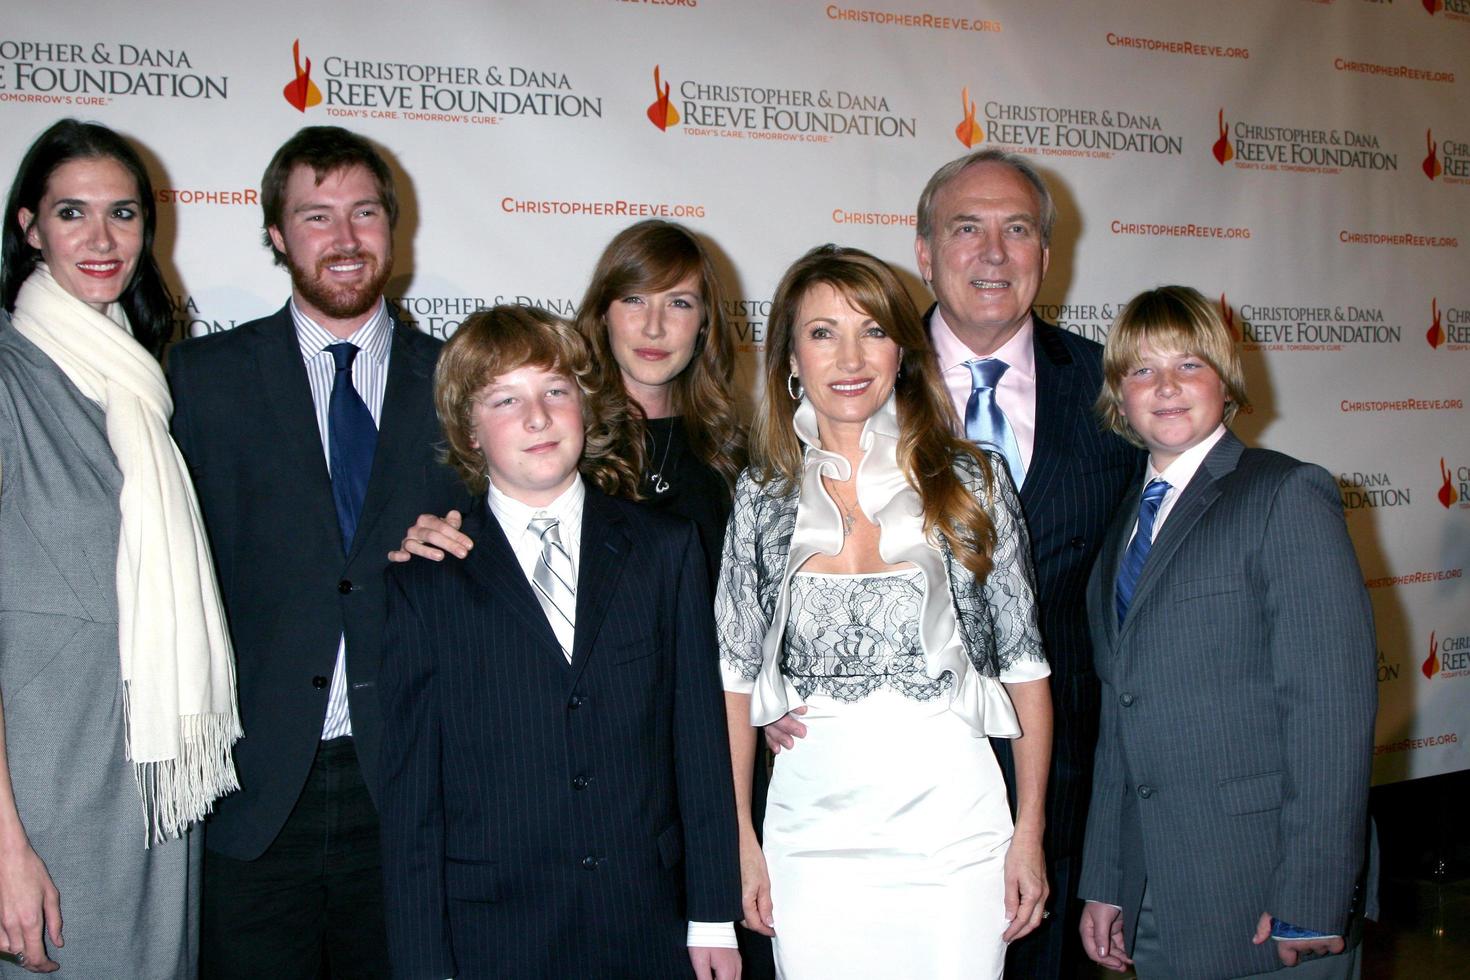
(430, 537)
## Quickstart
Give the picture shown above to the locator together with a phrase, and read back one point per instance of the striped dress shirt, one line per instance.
(374, 339)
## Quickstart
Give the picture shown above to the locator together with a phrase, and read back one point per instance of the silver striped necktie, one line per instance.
(555, 582)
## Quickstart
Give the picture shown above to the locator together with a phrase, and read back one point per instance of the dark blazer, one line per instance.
(1237, 715)
(1077, 480)
(546, 819)
(243, 418)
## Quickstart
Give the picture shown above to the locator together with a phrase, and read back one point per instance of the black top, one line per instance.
(676, 480)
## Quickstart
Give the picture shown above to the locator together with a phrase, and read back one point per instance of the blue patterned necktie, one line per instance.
(985, 424)
(352, 438)
(1143, 539)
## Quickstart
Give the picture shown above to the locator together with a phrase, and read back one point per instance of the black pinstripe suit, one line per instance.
(1077, 479)
(542, 819)
(1237, 715)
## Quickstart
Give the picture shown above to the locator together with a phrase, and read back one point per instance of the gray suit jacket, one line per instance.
(1238, 700)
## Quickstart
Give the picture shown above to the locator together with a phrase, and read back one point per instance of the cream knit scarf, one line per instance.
(178, 669)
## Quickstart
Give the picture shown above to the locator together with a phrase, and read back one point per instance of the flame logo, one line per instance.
(1228, 315)
(969, 131)
(1435, 336)
(1447, 494)
(662, 113)
(1222, 149)
(1432, 167)
(301, 91)
(1431, 662)
(1433, 6)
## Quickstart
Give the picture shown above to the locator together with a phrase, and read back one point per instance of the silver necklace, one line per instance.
(849, 516)
(656, 478)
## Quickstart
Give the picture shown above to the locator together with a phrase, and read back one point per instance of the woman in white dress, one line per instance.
(875, 570)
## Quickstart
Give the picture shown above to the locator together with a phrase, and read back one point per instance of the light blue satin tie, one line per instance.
(985, 423)
(1143, 539)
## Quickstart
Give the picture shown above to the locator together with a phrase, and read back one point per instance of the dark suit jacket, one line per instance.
(243, 418)
(1237, 715)
(546, 819)
(1078, 477)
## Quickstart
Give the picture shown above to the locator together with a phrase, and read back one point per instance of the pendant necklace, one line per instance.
(849, 517)
(656, 478)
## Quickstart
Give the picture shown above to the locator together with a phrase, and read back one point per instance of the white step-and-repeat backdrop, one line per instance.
(1308, 163)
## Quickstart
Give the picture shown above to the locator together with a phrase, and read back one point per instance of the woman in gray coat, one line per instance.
(117, 703)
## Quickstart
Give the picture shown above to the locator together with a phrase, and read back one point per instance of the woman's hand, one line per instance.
(1026, 887)
(29, 904)
(755, 888)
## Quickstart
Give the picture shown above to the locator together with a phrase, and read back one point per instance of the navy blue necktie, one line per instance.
(985, 424)
(1143, 540)
(352, 438)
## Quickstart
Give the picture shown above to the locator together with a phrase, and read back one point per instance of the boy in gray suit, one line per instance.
(1235, 646)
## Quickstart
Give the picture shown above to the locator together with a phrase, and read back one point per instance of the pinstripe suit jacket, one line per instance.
(1237, 715)
(546, 819)
(1078, 477)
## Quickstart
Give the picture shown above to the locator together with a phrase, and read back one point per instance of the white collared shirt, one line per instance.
(1015, 393)
(370, 377)
(515, 520)
(1178, 474)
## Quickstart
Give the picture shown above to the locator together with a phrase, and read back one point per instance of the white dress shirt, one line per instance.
(1015, 393)
(1177, 474)
(374, 339)
(515, 520)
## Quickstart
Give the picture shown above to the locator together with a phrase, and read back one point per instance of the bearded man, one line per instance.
(310, 437)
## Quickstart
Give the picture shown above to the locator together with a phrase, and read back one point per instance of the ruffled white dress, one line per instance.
(887, 826)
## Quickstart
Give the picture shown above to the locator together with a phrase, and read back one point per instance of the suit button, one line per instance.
(1145, 791)
(580, 782)
(319, 682)
(590, 863)
(344, 586)
(1126, 699)
(576, 702)
(1078, 542)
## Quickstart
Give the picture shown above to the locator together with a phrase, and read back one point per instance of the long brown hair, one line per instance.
(653, 256)
(927, 446)
(492, 342)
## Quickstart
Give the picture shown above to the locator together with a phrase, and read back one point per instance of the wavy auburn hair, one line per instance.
(652, 256)
(493, 342)
(927, 445)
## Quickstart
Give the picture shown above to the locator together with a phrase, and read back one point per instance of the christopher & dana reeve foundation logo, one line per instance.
(192, 319)
(1447, 160)
(1452, 9)
(366, 88)
(93, 73)
(1064, 130)
(1302, 326)
(737, 110)
(1454, 485)
(1449, 327)
(1371, 491)
(1298, 149)
(1449, 656)
(747, 317)
(1085, 316)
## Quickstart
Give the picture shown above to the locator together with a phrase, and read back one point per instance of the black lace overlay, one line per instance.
(850, 635)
